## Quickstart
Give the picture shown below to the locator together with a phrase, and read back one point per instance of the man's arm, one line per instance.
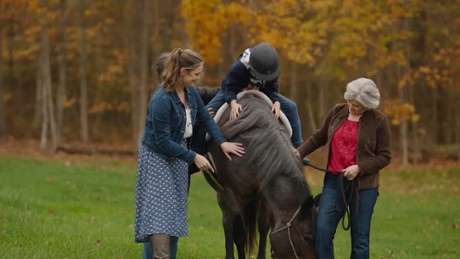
(207, 93)
(235, 81)
(271, 90)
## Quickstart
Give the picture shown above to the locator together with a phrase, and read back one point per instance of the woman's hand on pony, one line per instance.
(233, 148)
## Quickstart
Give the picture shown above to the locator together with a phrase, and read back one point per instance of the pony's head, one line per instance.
(296, 238)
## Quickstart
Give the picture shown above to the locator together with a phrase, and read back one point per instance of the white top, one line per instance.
(188, 124)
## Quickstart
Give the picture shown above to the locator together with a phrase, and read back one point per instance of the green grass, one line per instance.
(58, 209)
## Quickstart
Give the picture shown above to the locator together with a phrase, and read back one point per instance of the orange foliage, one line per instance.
(445, 69)
(207, 22)
(13, 9)
(400, 112)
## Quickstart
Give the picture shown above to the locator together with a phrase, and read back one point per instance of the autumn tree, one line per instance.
(62, 60)
(48, 124)
(101, 61)
(2, 113)
(10, 11)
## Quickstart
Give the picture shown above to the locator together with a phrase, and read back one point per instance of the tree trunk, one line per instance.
(454, 119)
(47, 100)
(293, 90)
(38, 97)
(2, 112)
(294, 84)
(323, 90)
(415, 139)
(403, 125)
(228, 46)
(167, 28)
(133, 86)
(83, 76)
(61, 89)
(157, 49)
(434, 122)
(457, 132)
(404, 143)
(403, 128)
(132, 67)
(44, 123)
(309, 108)
(144, 70)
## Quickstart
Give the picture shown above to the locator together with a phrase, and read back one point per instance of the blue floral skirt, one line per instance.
(161, 196)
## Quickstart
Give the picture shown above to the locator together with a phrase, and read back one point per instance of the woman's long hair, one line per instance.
(178, 59)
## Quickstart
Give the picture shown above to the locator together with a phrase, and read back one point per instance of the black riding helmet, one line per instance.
(263, 62)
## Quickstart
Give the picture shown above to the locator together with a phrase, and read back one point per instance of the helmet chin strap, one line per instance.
(256, 82)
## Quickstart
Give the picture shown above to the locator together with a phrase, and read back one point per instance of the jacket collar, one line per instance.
(343, 114)
(187, 91)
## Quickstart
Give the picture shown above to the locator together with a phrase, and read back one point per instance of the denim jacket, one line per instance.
(165, 123)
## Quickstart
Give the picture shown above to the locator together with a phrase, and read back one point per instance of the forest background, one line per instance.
(78, 74)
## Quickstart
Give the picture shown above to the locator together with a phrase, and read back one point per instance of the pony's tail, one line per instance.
(250, 219)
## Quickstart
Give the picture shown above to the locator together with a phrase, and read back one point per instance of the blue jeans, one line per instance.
(148, 248)
(287, 106)
(330, 212)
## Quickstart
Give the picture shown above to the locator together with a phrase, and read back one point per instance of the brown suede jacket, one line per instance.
(373, 151)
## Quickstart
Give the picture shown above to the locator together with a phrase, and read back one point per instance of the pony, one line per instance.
(266, 188)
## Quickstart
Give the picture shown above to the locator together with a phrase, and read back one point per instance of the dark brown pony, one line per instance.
(266, 187)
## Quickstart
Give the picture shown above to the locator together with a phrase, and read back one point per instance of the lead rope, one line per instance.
(288, 227)
(211, 177)
(345, 191)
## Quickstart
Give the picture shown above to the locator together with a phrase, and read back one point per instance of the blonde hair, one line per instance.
(161, 63)
(178, 58)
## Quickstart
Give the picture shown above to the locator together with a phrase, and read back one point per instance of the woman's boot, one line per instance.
(161, 246)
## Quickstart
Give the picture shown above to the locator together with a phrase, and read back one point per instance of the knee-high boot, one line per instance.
(161, 246)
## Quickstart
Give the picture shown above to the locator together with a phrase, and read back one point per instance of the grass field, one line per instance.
(67, 209)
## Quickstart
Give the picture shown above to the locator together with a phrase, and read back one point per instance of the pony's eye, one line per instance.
(307, 238)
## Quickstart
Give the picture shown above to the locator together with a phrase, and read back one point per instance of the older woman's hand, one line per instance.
(351, 172)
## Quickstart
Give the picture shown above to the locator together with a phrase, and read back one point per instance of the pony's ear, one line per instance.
(316, 200)
(307, 205)
(316, 203)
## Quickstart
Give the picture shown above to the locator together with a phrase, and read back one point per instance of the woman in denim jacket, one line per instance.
(164, 154)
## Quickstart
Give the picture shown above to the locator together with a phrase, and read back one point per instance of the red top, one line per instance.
(343, 146)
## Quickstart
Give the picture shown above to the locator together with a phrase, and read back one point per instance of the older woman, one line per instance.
(358, 141)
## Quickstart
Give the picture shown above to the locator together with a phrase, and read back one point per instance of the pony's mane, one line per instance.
(269, 151)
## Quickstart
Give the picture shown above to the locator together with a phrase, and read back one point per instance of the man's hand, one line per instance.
(236, 109)
(211, 112)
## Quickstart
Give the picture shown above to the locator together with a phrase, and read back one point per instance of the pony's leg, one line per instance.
(227, 224)
(264, 227)
(235, 233)
(239, 232)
